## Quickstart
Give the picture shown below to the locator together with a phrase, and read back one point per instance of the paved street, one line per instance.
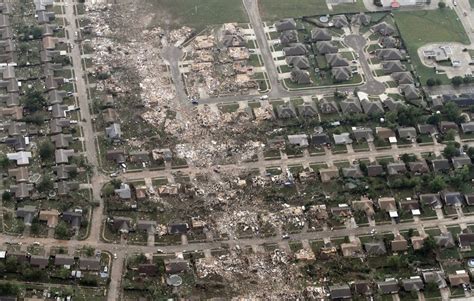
(305, 161)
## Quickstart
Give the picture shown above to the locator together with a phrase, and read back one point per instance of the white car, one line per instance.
(115, 255)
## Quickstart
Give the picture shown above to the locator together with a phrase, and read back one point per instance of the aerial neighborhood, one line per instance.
(236, 150)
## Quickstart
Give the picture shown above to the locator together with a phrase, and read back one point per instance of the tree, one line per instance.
(457, 80)
(441, 4)
(6, 196)
(34, 101)
(434, 119)
(11, 264)
(470, 152)
(450, 151)
(437, 184)
(61, 231)
(46, 151)
(453, 113)
(407, 158)
(430, 82)
(4, 162)
(429, 246)
(45, 185)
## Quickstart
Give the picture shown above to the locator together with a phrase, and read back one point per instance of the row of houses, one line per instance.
(19, 134)
(351, 105)
(92, 264)
(393, 286)
(364, 134)
(49, 217)
(395, 168)
(125, 225)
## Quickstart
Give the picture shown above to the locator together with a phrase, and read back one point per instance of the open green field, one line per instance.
(276, 9)
(418, 28)
(200, 13)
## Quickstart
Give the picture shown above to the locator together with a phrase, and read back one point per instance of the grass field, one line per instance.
(276, 9)
(200, 13)
(418, 28)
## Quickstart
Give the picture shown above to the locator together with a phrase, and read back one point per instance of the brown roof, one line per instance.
(417, 242)
(458, 279)
(50, 217)
(399, 243)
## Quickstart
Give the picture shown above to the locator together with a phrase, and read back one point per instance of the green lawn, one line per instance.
(276, 9)
(199, 13)
(418, 28)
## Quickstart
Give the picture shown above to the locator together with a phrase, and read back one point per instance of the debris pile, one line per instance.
(264, 274)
